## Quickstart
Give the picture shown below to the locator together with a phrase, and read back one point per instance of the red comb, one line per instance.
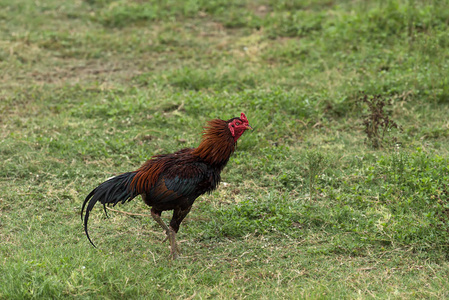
(243, 118)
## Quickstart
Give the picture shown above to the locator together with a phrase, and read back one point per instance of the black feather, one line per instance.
(112, 191)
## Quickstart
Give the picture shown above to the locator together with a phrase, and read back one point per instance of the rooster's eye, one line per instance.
(237, 123)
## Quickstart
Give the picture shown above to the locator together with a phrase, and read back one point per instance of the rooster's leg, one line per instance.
(174, 249)
(171, 233)
(157, 217)
(179, 213)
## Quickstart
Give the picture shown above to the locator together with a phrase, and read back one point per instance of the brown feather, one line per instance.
(217, 143)
(148, 174)
(216, 147)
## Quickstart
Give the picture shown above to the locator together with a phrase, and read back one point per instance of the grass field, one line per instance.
(312, 208)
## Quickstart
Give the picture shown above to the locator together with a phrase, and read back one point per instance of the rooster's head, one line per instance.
(237, 126)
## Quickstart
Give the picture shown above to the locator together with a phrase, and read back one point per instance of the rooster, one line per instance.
(173, 181)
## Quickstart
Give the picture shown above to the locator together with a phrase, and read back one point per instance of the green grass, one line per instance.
(93, 88)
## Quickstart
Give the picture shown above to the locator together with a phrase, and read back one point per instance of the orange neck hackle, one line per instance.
(217, 143)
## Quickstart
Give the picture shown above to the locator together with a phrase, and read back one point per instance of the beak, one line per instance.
(249, 127)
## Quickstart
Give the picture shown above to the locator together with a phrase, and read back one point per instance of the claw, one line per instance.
(166, 238)
(173, 255)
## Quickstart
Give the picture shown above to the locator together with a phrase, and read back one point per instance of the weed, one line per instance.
(442, 214)
(316, 163)
(377, 122)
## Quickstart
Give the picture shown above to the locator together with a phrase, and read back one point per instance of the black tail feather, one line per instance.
(112, 191)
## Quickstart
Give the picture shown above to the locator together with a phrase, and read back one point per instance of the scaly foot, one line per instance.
(174, 249)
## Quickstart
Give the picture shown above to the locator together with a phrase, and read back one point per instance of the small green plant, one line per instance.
(442, 199)
(377, 121)
(316, 163)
